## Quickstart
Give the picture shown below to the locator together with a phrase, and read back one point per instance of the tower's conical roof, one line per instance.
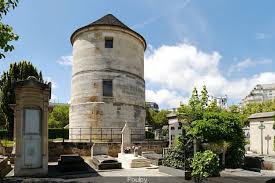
(108, 20)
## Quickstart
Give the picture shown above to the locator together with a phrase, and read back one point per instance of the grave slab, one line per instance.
(130, 161)
(71, 163)
(103, 162)
(156, 159)
(5, 168)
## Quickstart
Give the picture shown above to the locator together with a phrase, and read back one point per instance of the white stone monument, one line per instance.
(126, 137)
(130, 160)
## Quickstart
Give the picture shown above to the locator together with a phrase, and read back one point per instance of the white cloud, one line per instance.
(49, 79)
(175, 70)
(65, 60)
(170, 98)
(248, 63)
(261, 36)
(53, 97)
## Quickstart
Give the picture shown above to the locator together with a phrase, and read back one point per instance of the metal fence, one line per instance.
(88, 135)
(95, 134)
(137, 134)
(103, 134)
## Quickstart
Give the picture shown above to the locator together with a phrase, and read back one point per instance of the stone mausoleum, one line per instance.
(108, 86)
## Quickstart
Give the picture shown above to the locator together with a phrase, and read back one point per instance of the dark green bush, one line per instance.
(55, 133)
(205, 164)
(180, 154)
(149, 135)
(4, 134)
(175, 157)
(222, 126)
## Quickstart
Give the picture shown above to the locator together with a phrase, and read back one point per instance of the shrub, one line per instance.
(149, 135)
(205, 164)
(55, 133)
(175, 157)
(222, 126)
(4, 134)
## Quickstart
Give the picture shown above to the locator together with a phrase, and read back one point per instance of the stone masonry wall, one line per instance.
(93, 63)
(84, 149)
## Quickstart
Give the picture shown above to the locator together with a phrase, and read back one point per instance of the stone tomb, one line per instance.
(71, 163)
(31, 127)
(156, 159)
(130, 160)
(103, 162)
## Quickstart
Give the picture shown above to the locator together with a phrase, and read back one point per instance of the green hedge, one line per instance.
(149, 135)
(55, 133)
(4, 134)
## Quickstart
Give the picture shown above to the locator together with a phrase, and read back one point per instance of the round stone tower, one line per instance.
(108, 86)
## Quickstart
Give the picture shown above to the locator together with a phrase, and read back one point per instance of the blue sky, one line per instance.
(226, 45)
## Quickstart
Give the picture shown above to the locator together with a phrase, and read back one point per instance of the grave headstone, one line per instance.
(136, 151)
(126, 137)
(99, 149)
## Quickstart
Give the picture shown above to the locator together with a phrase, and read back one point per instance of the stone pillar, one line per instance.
(126, 137)
(31, 127)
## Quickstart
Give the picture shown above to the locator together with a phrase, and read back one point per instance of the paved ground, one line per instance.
(144, 175)
(269, 158)
(149, 175)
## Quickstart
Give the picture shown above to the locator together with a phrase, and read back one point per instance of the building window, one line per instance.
(172, 138)
(108, 42)
(172, 128)
(108, 88)
(179, 127)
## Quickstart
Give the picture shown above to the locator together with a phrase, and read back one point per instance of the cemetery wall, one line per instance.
(84, 149)
(268, 134)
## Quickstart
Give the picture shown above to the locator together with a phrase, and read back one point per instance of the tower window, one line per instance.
(108, 88)
(108, 42)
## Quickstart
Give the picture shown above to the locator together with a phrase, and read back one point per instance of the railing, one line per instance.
(103, 134)
(137, 134)
(95, 134)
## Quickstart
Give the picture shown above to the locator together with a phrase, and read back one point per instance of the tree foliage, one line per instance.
(16, 72)
(194, 101)
(177, 157)
(59, 117)
(225, 126)
(212, 124)
(222, 126)
(205, 164)
(157, 119)
(204, 97)
(195, 108)
(6, 31)
(251, 108)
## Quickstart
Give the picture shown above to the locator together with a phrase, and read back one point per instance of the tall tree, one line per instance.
(59, 117)
(194, 101)
(204, 97)
(157, 119)
(213, 106)
(6, 31)
(160, 119)
(17, 71)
